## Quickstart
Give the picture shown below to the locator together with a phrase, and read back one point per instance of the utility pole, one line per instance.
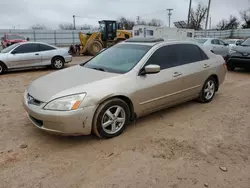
(189, 12)
(74, 22)
(208, 9)
(210, 23)
(169, 15)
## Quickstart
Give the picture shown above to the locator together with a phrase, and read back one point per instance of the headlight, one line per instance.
(231, 51)
(67, 103)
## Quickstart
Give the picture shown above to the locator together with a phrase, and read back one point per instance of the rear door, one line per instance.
(164, 88)
(25, 55)
(47, 53)
(195, 69)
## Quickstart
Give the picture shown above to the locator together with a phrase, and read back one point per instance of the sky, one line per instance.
(23, 14)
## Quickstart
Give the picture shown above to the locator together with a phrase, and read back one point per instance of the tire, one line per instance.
(115, 124)
(2, 68)
(94, 48)
(230, 68)
(57, 63)
(208, 87)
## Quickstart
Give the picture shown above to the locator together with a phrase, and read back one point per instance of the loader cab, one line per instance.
(108, 29)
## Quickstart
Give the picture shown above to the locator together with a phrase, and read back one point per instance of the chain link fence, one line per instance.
(55, 37)
(66, 38)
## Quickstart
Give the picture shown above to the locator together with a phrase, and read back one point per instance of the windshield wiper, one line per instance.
(100, 69)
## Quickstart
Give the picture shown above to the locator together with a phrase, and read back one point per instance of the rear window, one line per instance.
(201, 41)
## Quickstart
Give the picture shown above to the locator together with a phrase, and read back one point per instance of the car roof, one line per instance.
(31, 42)
(168, 42)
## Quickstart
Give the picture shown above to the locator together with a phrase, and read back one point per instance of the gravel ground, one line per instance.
(190, 145)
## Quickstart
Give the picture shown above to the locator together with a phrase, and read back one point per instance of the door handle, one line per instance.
(206, 66)
(37, 54)
(176, 74)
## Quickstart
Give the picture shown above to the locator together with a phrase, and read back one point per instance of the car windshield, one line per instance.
(15, 37)
(201, 41)
(120, 58)
(8, 49)
(246, 42)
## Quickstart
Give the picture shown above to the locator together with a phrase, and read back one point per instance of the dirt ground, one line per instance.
(184, 146)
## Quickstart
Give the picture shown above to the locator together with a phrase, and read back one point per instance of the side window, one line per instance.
(190, 53)
(165, 57)
(221, 42)
(215, 41)
(44, 47)
(27, 48)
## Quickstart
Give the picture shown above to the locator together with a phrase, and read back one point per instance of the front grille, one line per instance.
(36, 121)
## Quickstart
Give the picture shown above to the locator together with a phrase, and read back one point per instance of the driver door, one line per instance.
(25, 55)
(156, 91)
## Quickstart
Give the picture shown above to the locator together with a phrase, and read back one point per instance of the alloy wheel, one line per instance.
(209, 89)
(113, 119)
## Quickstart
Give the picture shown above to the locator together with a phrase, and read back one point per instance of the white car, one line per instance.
(234, 42)
(32, 54)
(215, 45)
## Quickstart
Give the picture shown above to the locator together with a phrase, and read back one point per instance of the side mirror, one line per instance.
(13, 52)
(150, 69)
(226, 44)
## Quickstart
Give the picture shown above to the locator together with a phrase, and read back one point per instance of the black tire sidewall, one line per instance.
(3, 68)
(102, 110)
(202, 97)
(90, 47)
(54, 60)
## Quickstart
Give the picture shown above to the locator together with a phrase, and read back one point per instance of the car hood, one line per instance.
(241, 49)
(3, 56)
(65, 82)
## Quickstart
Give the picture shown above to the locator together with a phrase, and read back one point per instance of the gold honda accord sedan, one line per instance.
(129, 80)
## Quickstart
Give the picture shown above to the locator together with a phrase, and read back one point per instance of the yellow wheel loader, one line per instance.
(93, 43)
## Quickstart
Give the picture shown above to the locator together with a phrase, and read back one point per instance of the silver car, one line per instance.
(215, 45)
(124, 82)
(32, 54)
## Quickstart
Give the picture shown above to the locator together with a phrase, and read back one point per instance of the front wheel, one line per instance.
(2, 68)
(57, 63)
(230, 68)
(111, 118)
(208, 90)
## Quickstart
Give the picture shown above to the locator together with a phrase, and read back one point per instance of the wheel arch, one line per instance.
(57, 56)
(126, 99)
(216, 80)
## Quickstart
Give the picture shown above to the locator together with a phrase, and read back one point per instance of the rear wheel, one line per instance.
(94, 47)
(57, 63)
(111, 118)
(208, 90)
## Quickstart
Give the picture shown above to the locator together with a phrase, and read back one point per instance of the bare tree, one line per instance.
(197, 17)
(126, 23)
(231, 23)
(155, 22)
(39, 27)
(66, 26)
(245, 16)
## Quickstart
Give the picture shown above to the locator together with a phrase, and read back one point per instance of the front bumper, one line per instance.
(78, 122)
(68, 58)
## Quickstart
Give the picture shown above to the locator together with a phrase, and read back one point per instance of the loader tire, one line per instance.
(94, 48)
